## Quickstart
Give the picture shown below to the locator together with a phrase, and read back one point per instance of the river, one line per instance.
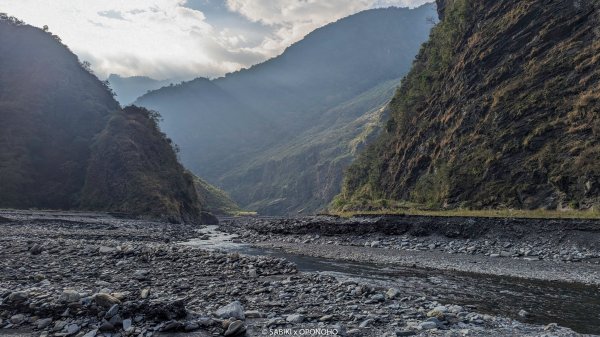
(570, 305)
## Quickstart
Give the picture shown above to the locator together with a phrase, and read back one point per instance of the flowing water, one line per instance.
(570, 305)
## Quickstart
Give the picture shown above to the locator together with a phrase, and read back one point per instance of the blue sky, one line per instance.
(182, 39)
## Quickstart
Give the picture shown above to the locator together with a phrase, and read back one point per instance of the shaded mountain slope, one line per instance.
(65, 143)
(501, 109)
(259, 133)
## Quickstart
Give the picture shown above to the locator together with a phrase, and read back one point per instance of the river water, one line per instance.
(569, 305)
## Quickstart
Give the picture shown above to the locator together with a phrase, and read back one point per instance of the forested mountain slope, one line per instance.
(65, 143)
(501, 109)
(271, 135)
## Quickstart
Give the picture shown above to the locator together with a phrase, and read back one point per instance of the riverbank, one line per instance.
(93, 275)
(552, 250)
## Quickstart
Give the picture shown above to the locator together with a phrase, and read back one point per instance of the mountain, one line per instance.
(501, 109)
(65, 143)
(128, 89)
(278, 135)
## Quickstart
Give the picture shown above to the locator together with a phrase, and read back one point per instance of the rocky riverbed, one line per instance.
(87, 275)
(555, 250)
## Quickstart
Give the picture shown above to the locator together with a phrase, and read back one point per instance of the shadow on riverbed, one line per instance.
(570, 305)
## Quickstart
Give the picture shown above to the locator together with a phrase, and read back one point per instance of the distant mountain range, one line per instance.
(128, 89)
(278, 136)
(501, 110)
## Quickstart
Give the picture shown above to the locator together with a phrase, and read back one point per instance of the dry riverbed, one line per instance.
(65, 274)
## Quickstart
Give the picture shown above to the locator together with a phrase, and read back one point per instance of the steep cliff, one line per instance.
(501, 109)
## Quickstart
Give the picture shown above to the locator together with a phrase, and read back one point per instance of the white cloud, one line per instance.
(166, 39)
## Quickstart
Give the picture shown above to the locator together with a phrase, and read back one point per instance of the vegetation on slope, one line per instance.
(65, 143)
(133, 169)
(215, 200)
(500, 110)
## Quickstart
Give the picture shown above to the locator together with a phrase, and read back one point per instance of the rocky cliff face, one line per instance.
(501, 109)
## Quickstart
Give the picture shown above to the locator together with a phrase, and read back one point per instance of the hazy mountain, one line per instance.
(501, 109)
(272, 135)
(65, 143)
(128, 89)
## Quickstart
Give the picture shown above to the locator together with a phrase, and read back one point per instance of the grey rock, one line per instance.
(392, 293)
(233, 309)
(254, 314)
(106, 250)
(378, 298)
(295, 318)
(366, 323)
(114, 309)
(69, 296)
(91, 333)
(127, 323)
(141, 275)
(326, 318)
(236, 328)
(428, 325)
(72, 329)
(43, 323)
(36, 249)
(17, 319)
(106, 300)
(18, 297)
(523, 313)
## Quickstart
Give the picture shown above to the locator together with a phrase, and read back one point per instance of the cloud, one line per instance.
(175, 39)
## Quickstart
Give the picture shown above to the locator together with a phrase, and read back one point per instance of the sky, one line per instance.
(183, 39)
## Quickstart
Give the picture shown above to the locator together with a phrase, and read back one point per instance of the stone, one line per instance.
(106, 326)
(191, 326)
(91, 333)
(69, 296)
(145, 293)
(106, 300)
(43, 323)
(427, 325)
(254, 314)
(252, 273)
(72, 329)
(405, 333)
(127, 323)
(114, 309)
(236, 328)
(18, 297)
(36, 249)
(326, 318)
(378, 298)
(17, 319)
(375, 244)
(295, 318)
(141, 275)
(523, 313)
(233, 309)
(366, 323)
(392, 293)
(106, 250)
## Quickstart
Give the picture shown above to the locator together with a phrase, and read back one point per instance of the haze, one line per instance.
(179, 39)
